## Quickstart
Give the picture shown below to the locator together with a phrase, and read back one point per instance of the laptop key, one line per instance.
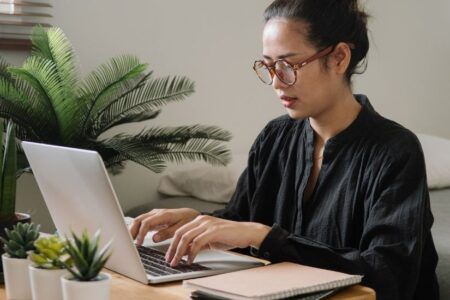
(155, 264)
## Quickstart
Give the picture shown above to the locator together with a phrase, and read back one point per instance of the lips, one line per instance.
(288, 102)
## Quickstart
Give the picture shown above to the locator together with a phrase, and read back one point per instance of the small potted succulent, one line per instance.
(19, 241)
(85, 280)
(49, 264)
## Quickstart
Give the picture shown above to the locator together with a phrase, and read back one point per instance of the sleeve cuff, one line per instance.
(272, 246)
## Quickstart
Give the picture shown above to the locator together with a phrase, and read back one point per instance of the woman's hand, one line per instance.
(206, 232)
(165, 221)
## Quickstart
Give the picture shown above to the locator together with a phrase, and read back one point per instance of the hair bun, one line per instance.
(351, 4)
(330, 22)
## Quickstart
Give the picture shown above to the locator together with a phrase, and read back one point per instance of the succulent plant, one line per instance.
(51, 253)
(20, 239)
(87, 259)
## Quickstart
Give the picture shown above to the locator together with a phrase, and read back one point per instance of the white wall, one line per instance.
(408, 78)
(215, 42)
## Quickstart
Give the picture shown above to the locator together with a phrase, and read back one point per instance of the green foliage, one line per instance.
(51, 253)
(8, 169)
(50, 104)
(87, 259)
(20, 239)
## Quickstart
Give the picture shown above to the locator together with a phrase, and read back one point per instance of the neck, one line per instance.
(336, 118)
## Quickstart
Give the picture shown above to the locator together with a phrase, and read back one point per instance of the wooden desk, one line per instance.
(124, 288)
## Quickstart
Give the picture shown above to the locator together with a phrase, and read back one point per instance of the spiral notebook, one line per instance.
(274, 281)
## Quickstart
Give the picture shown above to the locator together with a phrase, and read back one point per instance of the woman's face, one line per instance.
(312, 93)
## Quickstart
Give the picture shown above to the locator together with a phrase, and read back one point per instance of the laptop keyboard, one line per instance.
(155, 263)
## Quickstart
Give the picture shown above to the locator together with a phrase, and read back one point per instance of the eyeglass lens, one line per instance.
(283, 71)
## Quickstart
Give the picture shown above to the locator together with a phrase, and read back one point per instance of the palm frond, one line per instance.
(9, 110)
(153, 147)
(18, 102)
(212, 152)
(4, 70)
(183, 133)
(53, 45)
(41, 74)
(139, 114)
(109, 79)
(120, 76)
(40, 45)
(148, 98)
(128, 87)
(64, 59)
(29, 96)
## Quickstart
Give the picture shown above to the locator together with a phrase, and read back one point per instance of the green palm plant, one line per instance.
(49, 103)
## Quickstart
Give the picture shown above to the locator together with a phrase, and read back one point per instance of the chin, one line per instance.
(297, 115)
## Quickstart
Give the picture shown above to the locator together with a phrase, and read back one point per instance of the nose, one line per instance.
(278, 84)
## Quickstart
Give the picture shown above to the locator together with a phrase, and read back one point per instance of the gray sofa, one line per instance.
(440, 205)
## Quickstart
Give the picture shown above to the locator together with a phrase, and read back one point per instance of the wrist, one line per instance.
(258, 233)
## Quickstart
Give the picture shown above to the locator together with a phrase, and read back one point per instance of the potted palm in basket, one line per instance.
(49, 262)
(85, 280)
(50, 104)
(19, 241)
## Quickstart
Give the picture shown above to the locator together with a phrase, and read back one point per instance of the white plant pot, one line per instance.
(86, 290)
(46, 284)
(17, 281)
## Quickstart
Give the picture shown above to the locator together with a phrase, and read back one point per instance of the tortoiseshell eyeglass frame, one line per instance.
(294, 67)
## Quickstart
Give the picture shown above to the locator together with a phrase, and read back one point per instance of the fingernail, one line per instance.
(173, 263)
(156, 238)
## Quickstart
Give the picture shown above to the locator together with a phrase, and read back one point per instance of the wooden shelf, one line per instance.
(27, 14)
(27, 3)
(15, 44)
(24, 24)
(16, 23)
(14, 34)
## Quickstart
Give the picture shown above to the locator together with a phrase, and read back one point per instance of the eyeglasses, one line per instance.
(286, 72)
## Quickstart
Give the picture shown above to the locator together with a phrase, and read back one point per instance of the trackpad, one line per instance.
(216, 259)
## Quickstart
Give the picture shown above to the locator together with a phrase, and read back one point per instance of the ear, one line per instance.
(340, 58)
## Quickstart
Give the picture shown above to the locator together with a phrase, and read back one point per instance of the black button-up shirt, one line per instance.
(369, 212)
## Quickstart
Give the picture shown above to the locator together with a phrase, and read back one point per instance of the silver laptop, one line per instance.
(79, 195)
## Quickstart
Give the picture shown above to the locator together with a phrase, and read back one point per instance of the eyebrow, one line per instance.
(282, 56)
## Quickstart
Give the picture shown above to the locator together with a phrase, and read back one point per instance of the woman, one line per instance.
(332, 184)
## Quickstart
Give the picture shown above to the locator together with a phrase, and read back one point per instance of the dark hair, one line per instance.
(329, 23)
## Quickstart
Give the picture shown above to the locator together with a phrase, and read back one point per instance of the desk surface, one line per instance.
(125, 288)
(134, 290)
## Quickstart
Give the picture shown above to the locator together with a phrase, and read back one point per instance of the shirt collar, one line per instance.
(358, 126)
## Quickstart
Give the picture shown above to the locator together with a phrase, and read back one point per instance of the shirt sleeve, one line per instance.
(396, 223)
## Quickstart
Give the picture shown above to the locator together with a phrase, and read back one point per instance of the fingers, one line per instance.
(177, 237)
(165, 233)
(150, 222)
(184, 244)
(202, 233)
(201, 242)
(134, 229)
